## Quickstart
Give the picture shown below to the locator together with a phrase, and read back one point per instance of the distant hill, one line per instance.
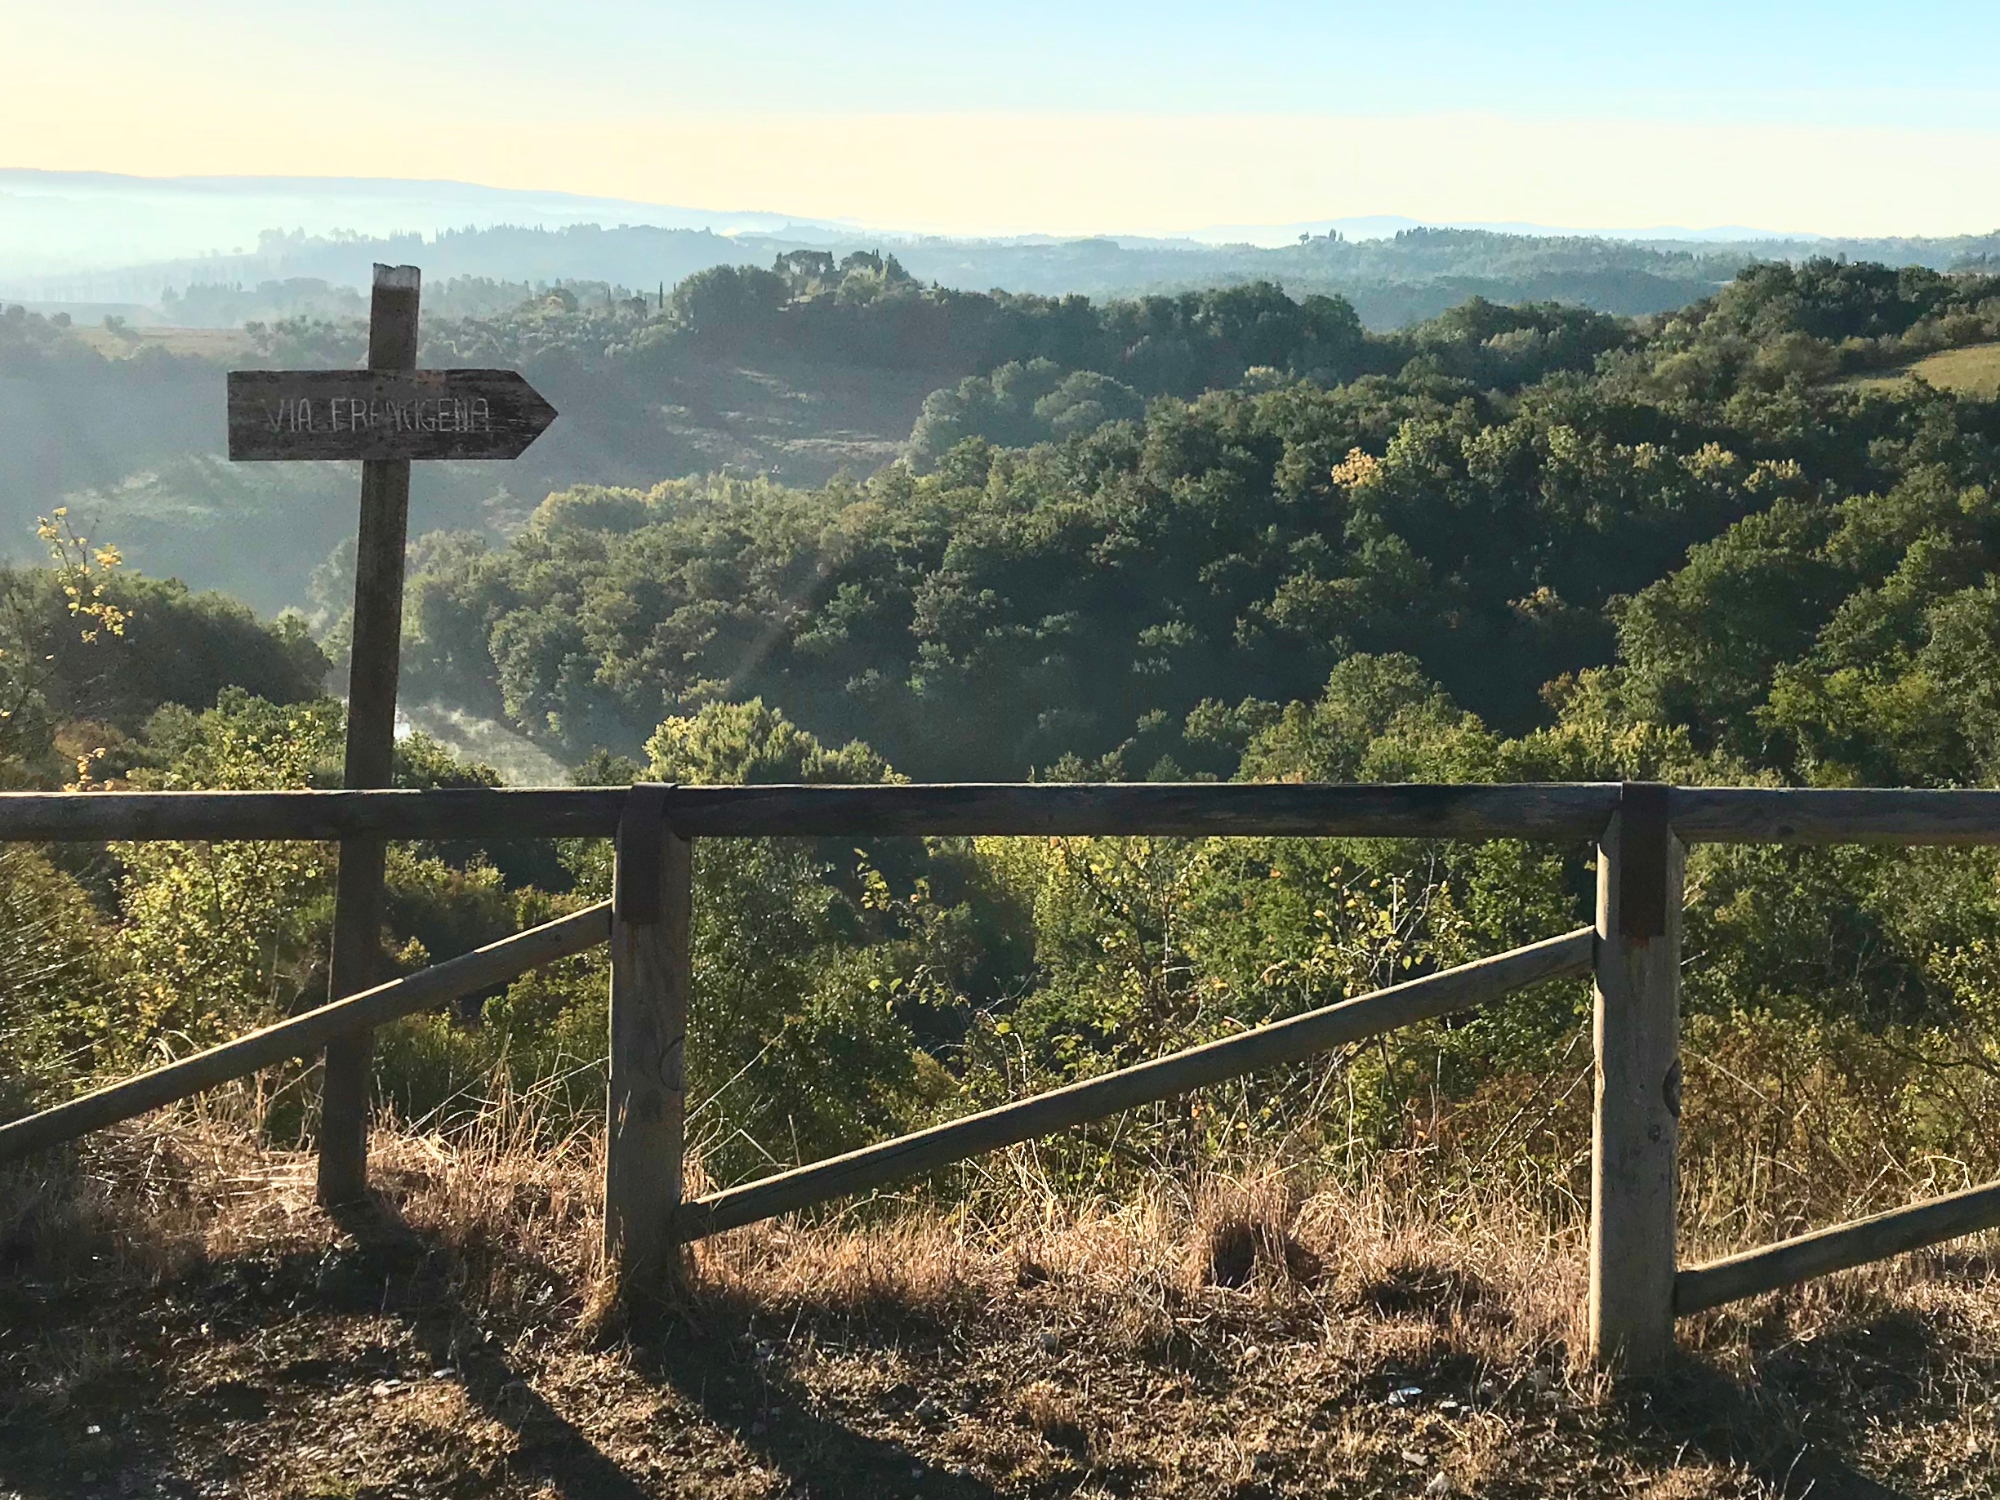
(1394, 282)
(96, 239)
(64, 224)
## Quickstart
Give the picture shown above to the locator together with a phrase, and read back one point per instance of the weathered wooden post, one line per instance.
(651, 975)
(374, 660)
(1637, 1124)
(385, 415)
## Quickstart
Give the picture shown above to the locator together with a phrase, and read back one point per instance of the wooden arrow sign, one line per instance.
(395, 414)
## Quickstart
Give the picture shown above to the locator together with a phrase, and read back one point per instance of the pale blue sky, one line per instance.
(771, 100)
(1833, 61)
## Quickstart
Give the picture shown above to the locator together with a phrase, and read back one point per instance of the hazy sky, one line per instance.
(1836, 116)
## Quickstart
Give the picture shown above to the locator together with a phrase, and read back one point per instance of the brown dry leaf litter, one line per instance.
(177, 1319)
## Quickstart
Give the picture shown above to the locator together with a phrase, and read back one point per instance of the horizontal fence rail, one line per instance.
(1268, 1046)
(302, 1036)
(455, 813)
(1166, 809)
(1840, 1248)
(1864, 815)
(1531, 810)
(1537, 810)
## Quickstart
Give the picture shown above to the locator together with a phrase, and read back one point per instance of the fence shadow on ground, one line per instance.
(388, 1249)
(1786, 1428)
(1791, 1422)
(705, 1359)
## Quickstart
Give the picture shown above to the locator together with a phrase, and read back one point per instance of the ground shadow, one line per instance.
(1791, 1427)
(388, 1250)
(738, 1400)
(144, 1410)
(705, 1349)
(698, 1349)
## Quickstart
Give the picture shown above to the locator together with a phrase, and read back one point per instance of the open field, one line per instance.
(180, 1320)
(204, 343)
(1971, 371)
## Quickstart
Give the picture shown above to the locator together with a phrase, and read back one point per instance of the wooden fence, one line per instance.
(1633, 954)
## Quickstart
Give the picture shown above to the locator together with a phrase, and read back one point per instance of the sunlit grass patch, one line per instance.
(1971, 371)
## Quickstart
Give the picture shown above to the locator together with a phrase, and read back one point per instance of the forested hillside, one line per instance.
(1071, 564)
(811, 369)
(814, 368)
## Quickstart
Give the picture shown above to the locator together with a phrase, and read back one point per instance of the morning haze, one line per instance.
(999, 751)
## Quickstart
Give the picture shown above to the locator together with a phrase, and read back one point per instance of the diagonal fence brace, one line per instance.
(302, 1036)
(1566, 957)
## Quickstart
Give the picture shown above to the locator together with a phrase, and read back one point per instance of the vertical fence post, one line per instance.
(1637, 1125)
(651, 972)
(374, 655)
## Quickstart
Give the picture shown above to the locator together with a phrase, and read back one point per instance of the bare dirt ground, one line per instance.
(177, 1319)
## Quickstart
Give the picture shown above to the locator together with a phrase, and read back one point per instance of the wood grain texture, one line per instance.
(374, 660)
(1840, 1248)
(346, 1081)
(1636, 1126)
(301, 1036)
(651, 975)
(280, 415)
(1552, 811)
(1163, 1078)
(1574, 810)
(471, 812)
(1860, 815)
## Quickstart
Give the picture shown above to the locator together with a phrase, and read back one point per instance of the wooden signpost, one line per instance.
(379, 414)
(385, 415)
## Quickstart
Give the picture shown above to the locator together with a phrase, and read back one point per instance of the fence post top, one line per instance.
(642, 832)
(1644, 837)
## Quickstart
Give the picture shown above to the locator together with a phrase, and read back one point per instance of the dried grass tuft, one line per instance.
(1267, 1329)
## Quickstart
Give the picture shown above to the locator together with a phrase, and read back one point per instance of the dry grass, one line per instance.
(176, 1317)
(204, 343)
(1971, 371)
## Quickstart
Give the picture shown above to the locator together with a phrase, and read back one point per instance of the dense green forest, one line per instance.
(1070, 564)
(813, 368)
(1227, 534)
